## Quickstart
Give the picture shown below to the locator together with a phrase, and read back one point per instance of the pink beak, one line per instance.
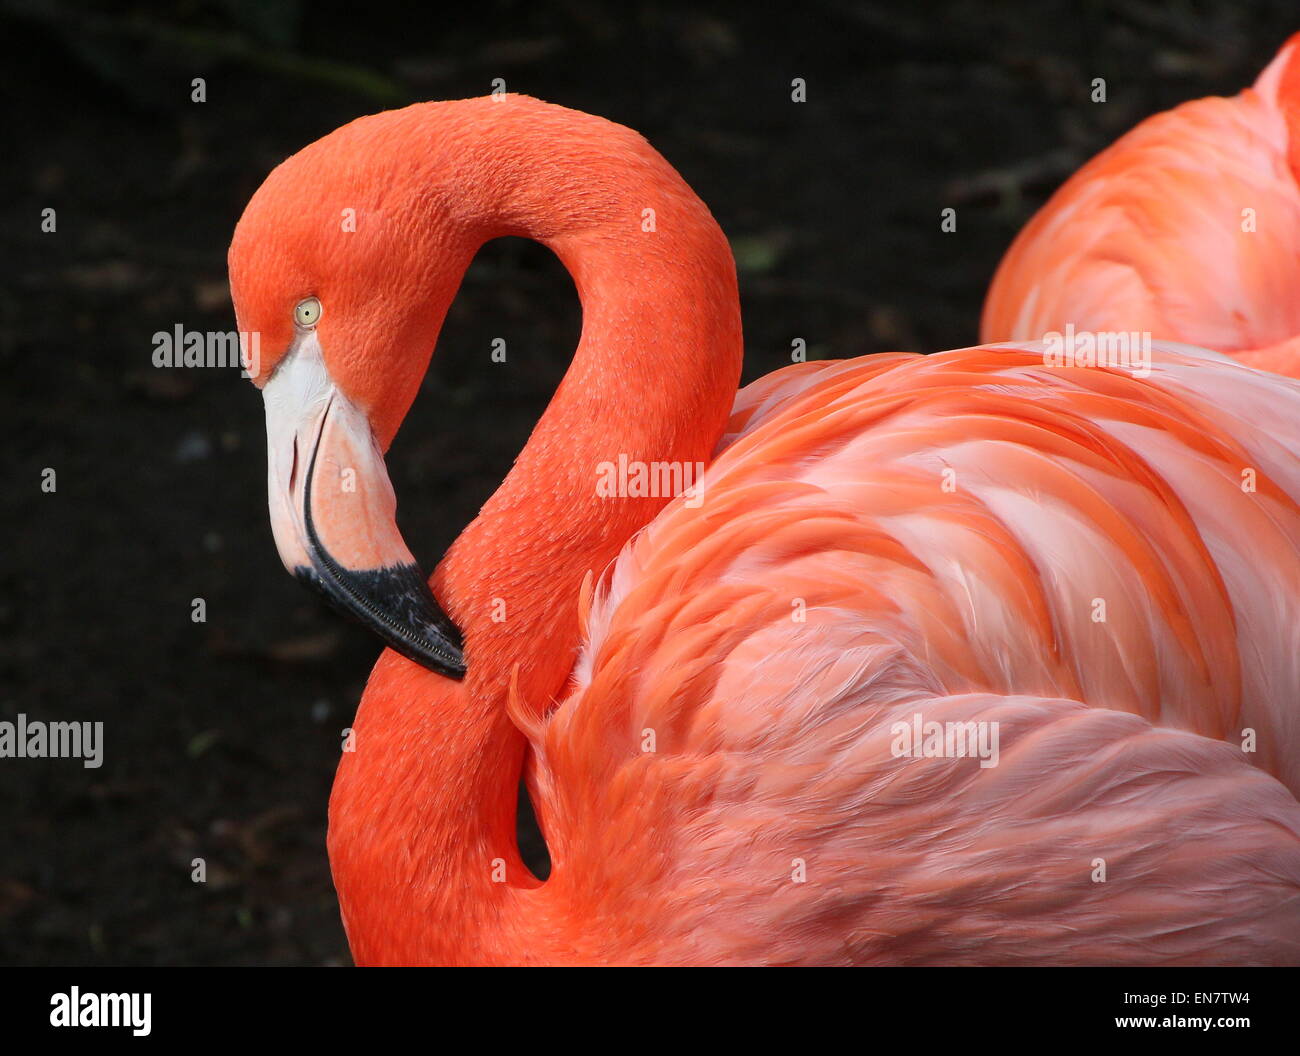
(334, 513)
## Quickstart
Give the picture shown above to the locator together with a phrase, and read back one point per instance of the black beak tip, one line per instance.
(397, 605)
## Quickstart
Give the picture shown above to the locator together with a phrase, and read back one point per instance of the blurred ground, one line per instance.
(222, 737)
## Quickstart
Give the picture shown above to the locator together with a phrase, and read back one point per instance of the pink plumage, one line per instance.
(981, 657)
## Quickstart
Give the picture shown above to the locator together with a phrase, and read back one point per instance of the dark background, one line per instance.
(221, 738)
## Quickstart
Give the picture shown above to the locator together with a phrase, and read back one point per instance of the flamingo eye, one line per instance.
(307, 313)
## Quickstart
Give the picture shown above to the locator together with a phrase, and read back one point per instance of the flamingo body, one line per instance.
(1187, 228)
(774, 734)
(710, 694)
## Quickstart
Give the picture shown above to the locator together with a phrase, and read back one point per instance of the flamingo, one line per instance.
(1187, 228)
(725, 698)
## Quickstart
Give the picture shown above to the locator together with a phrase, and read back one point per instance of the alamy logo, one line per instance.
(629, 478)
(75, 1009)
(208, 348)
(53, 740)
(1128, 350)
(920, 739)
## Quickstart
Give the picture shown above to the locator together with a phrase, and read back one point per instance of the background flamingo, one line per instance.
(1187, 228)
(945, 526)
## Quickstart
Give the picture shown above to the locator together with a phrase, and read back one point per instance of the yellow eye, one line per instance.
(307, 313)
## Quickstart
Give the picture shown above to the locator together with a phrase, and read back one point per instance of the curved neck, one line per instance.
(422, 817)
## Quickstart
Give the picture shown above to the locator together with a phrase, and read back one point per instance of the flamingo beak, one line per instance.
(334, 514)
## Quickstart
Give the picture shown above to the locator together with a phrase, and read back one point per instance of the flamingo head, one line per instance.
(340, 283)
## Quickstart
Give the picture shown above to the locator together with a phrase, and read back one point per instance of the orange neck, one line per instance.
(422, 839)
